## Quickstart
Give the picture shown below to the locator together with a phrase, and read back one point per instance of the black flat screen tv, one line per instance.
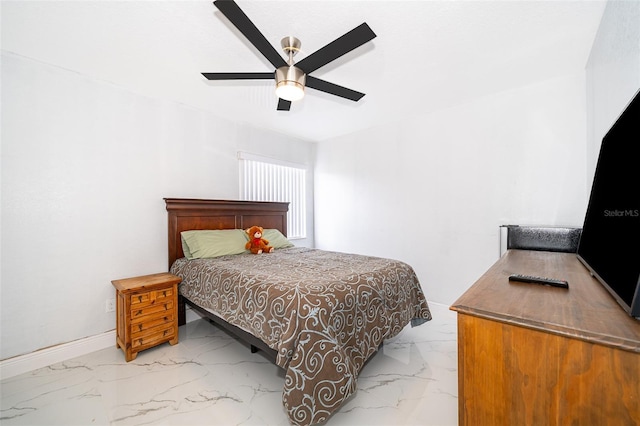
(610, 242)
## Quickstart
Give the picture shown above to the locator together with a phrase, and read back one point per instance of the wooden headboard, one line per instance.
(187, 214)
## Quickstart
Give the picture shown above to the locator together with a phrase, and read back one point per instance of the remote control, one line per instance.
(539, 280)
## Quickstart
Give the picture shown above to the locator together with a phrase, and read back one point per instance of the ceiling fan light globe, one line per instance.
(290, 91)
(290, 83)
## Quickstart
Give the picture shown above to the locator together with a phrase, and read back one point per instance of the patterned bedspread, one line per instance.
(325, 313)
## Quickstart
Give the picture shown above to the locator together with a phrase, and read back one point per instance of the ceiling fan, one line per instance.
(291, 78)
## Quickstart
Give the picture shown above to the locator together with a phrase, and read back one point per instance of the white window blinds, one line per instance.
(263, 179)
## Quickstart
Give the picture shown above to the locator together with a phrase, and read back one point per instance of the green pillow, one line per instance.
(213, 243)
(276, 239)
(185, 247)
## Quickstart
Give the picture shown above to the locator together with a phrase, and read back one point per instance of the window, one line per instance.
(264, 179)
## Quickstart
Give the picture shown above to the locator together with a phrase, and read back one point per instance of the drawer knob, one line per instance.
(140, 299)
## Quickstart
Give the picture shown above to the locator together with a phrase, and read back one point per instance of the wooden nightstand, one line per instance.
(147, 312)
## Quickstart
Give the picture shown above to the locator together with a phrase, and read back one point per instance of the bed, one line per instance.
(319, 315)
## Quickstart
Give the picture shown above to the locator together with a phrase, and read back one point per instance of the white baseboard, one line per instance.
(44, 357)
(20, 364)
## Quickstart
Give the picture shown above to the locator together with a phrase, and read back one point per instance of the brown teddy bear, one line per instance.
(256, 243)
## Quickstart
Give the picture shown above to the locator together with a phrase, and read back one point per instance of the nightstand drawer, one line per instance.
(145, 323)
(151, 337)
(141, 311)
(140, 299)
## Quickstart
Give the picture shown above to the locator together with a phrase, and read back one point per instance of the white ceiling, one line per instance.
(427, 55)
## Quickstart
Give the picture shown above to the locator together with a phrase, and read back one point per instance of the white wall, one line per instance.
(613, 73)
(433, 189)
(85, 166)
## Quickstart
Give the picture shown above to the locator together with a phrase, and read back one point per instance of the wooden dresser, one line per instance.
(539, 355)
(146, 312)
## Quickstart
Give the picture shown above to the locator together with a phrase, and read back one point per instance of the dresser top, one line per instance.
(585, 311)
(146, 282)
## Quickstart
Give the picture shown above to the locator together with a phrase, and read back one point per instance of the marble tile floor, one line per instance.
(211, 378)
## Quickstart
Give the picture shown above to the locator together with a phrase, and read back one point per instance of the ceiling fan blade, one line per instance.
(334, 89)
(238, 75)
(283, 105)
(232, 11)
(340, 46)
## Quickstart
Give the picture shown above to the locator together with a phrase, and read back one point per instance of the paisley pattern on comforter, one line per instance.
(325, 313)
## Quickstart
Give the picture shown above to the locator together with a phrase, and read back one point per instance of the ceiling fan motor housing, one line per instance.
(290, 79)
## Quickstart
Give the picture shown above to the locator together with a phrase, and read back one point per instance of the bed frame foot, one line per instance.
(254, 349)
(182, 312)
